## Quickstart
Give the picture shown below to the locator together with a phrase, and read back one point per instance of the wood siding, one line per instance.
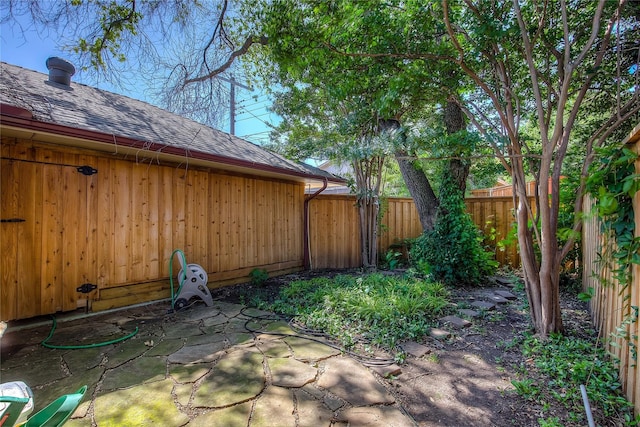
(118, 227)
(334, 232)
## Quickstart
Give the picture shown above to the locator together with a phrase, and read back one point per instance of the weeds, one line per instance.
(563, 363)
(384, 310)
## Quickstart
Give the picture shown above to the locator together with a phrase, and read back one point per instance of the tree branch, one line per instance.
(251, 40)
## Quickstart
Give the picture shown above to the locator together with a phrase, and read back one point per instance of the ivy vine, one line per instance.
(613, 183)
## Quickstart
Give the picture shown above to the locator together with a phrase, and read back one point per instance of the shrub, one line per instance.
(453, 249)
(258, 276)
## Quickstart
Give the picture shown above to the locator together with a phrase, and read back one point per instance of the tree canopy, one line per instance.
(538, 79)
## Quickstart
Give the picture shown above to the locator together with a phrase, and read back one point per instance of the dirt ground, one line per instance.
(464, 380)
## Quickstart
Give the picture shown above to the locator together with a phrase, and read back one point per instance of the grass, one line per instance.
(384, 310)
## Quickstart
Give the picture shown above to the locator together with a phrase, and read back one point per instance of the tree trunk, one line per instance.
(458, 168)
(420, 189)
(542, 277)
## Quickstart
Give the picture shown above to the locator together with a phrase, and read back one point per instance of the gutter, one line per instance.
(307, 249)
(22, 119)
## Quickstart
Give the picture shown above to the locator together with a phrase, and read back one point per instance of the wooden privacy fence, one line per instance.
(613, 306)
(334, 233)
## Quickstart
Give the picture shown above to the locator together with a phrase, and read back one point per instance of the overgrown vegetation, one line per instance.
(383, 310)
(559, 365)
(452, 252)
(613, 182)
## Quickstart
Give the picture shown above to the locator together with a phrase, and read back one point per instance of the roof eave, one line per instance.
(20, 122)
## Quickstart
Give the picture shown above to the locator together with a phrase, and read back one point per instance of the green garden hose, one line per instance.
(126, 337)
(181, 280)
(77, 347)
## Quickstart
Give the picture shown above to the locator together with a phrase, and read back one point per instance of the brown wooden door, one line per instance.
(43, 237)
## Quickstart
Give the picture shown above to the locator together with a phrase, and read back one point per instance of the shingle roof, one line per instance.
(89, 108)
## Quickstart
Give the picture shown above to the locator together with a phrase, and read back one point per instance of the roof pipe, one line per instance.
(307, 243)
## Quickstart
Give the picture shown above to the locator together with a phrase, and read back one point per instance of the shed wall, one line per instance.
(118, 227)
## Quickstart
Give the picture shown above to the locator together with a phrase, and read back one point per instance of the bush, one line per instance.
(258, 276)
(452, 251)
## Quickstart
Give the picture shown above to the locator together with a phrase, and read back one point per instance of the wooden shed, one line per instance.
(98, 188)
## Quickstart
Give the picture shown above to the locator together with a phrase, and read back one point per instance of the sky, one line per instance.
(30, 50)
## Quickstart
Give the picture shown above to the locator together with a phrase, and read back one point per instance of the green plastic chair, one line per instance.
(57, 412)
(11, 414)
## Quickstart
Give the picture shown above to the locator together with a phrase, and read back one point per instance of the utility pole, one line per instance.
(232, 101)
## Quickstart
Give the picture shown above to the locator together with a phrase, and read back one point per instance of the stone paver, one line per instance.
(237, 415)
(198, 353)
(236, 378)
(142, 405)
(139, 371)
(497, 299)
(456, 321)
(439, 334)
(312, 412)
(343, 375)
(203, 367)
(307, 350)
(415, 349)
(506, 294)
(469, 313)
(387, 371)
(287, 372)
(274, 408)
(375, 417)
(484, 305)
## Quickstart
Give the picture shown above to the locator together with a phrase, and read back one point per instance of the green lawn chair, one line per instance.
(16, 403)
(57, 412)
(53, 415)
(14, 407)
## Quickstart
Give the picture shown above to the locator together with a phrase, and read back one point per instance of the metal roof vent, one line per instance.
(60, 71)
